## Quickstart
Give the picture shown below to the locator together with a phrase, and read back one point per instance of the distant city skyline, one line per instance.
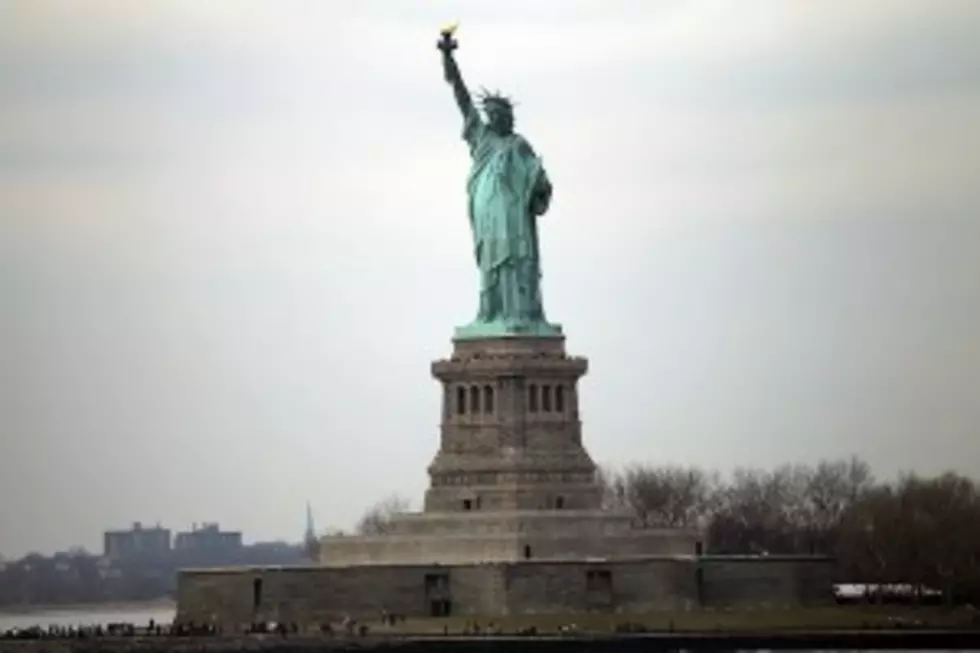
(764, 235)
(101, 548)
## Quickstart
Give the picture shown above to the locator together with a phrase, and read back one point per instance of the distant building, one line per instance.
(136, 542)
(208, 538)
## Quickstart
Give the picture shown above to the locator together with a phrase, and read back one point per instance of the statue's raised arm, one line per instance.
(446, 45)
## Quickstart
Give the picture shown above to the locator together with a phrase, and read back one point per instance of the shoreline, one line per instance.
(93, 607)
(600, 643)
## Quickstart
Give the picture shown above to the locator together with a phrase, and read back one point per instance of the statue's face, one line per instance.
(500, 118)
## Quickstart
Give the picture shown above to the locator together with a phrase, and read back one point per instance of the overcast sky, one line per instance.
(233, 237)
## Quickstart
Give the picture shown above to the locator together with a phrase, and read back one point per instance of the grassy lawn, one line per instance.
(831, 617)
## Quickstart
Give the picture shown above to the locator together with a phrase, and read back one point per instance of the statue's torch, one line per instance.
(447, 43)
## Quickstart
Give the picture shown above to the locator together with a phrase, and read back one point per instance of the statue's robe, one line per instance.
(508, 188)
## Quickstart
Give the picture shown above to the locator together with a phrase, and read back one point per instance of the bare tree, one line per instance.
(918, 530)
(831, 489)
(661, 497)
(869, 545)
(939, 517)
(752, 514)
(613, 491)
(375, 519)
(791, 509)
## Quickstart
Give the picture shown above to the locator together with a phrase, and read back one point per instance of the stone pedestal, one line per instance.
(511, 438)
(511, 480)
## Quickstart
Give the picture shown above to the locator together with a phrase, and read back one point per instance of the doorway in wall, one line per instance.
(437, 594)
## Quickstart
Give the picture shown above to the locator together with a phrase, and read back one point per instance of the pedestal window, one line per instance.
(460, 400)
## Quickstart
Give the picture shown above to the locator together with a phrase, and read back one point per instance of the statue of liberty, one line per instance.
(508, 189)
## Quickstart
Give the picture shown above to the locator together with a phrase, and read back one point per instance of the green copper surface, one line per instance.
(508, 189)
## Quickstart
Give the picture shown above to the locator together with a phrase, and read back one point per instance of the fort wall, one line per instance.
(314, 595)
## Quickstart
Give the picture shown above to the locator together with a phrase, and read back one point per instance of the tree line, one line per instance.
(923, 531)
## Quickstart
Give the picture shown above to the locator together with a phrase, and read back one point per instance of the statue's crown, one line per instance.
(487, 98)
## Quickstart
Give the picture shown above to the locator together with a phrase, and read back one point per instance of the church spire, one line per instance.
(309, 540)
(310, 531)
